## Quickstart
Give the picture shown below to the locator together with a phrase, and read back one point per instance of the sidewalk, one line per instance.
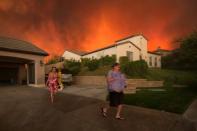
(191, 113)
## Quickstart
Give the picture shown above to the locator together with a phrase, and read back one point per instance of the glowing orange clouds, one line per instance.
(91, 24)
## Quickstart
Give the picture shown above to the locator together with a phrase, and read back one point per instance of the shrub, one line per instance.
(72, 66)
(93, 64)
(107, 60)
(135, 68)
(123, 60)
(85, 61)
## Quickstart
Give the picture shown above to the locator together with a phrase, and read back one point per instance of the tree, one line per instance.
(184, 57)
(93, 64)
(72, 66)
(188, 51)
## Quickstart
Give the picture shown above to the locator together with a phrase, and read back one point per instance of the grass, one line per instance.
(172, 76)
(174, 100)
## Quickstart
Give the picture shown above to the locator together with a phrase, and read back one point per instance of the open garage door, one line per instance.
(14, 70)
(8, 75)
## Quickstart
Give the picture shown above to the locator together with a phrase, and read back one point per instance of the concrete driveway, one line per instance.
(29, 109)
(96, 92)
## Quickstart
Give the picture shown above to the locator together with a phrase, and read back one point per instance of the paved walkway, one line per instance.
(29, 109)
(191, 113)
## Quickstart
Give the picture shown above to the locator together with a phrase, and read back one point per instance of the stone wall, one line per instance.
(90, 80)
(101, 81)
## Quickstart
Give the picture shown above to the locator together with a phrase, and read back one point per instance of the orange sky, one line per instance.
(57, 25)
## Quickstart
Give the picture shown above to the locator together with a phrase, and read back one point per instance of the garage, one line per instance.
(21, 63)
(8, 75)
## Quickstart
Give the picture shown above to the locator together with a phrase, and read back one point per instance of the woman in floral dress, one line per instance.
(52, 82)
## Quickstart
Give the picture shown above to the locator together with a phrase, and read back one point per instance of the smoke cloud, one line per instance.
(57, 25)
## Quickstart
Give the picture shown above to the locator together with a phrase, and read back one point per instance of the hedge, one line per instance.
(135, 68)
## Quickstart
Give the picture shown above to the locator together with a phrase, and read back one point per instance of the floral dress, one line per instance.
(52, 82)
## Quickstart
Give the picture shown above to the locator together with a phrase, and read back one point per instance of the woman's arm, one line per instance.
(49, 76)
(110, 79)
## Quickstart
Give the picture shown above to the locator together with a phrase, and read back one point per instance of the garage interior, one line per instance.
(14, 71)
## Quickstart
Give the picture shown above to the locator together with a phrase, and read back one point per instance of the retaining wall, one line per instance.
(101, 81)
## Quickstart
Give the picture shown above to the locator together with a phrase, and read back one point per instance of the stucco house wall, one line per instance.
(123, 48)
(154, 60)
(135, 45)
(22, 74)
(98, 54)
(141, 42)
(69, 55)
(119, 50)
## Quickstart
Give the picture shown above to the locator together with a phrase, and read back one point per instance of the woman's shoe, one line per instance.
(104, 113)
(120, 118)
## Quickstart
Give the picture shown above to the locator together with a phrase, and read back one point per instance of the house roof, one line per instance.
(15, 45)
(131, 37)
(77, 52)
(110, 46)
(162, 50)
(155, 53)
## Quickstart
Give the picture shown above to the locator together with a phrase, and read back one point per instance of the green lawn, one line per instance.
(172, 76)
(174, 100)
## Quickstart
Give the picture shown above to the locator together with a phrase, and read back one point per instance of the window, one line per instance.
(130, 55)
(140, 57)
(155, 61)
(150, 61)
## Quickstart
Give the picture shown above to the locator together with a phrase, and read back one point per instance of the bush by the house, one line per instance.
(123, 60)
(107, 60)
(93, 64)
(85, 61)
(135, 68)
(72, 66)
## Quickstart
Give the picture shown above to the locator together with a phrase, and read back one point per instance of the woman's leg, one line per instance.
(52, 93)
(106, 106)
(119, 109)
(52, 97)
